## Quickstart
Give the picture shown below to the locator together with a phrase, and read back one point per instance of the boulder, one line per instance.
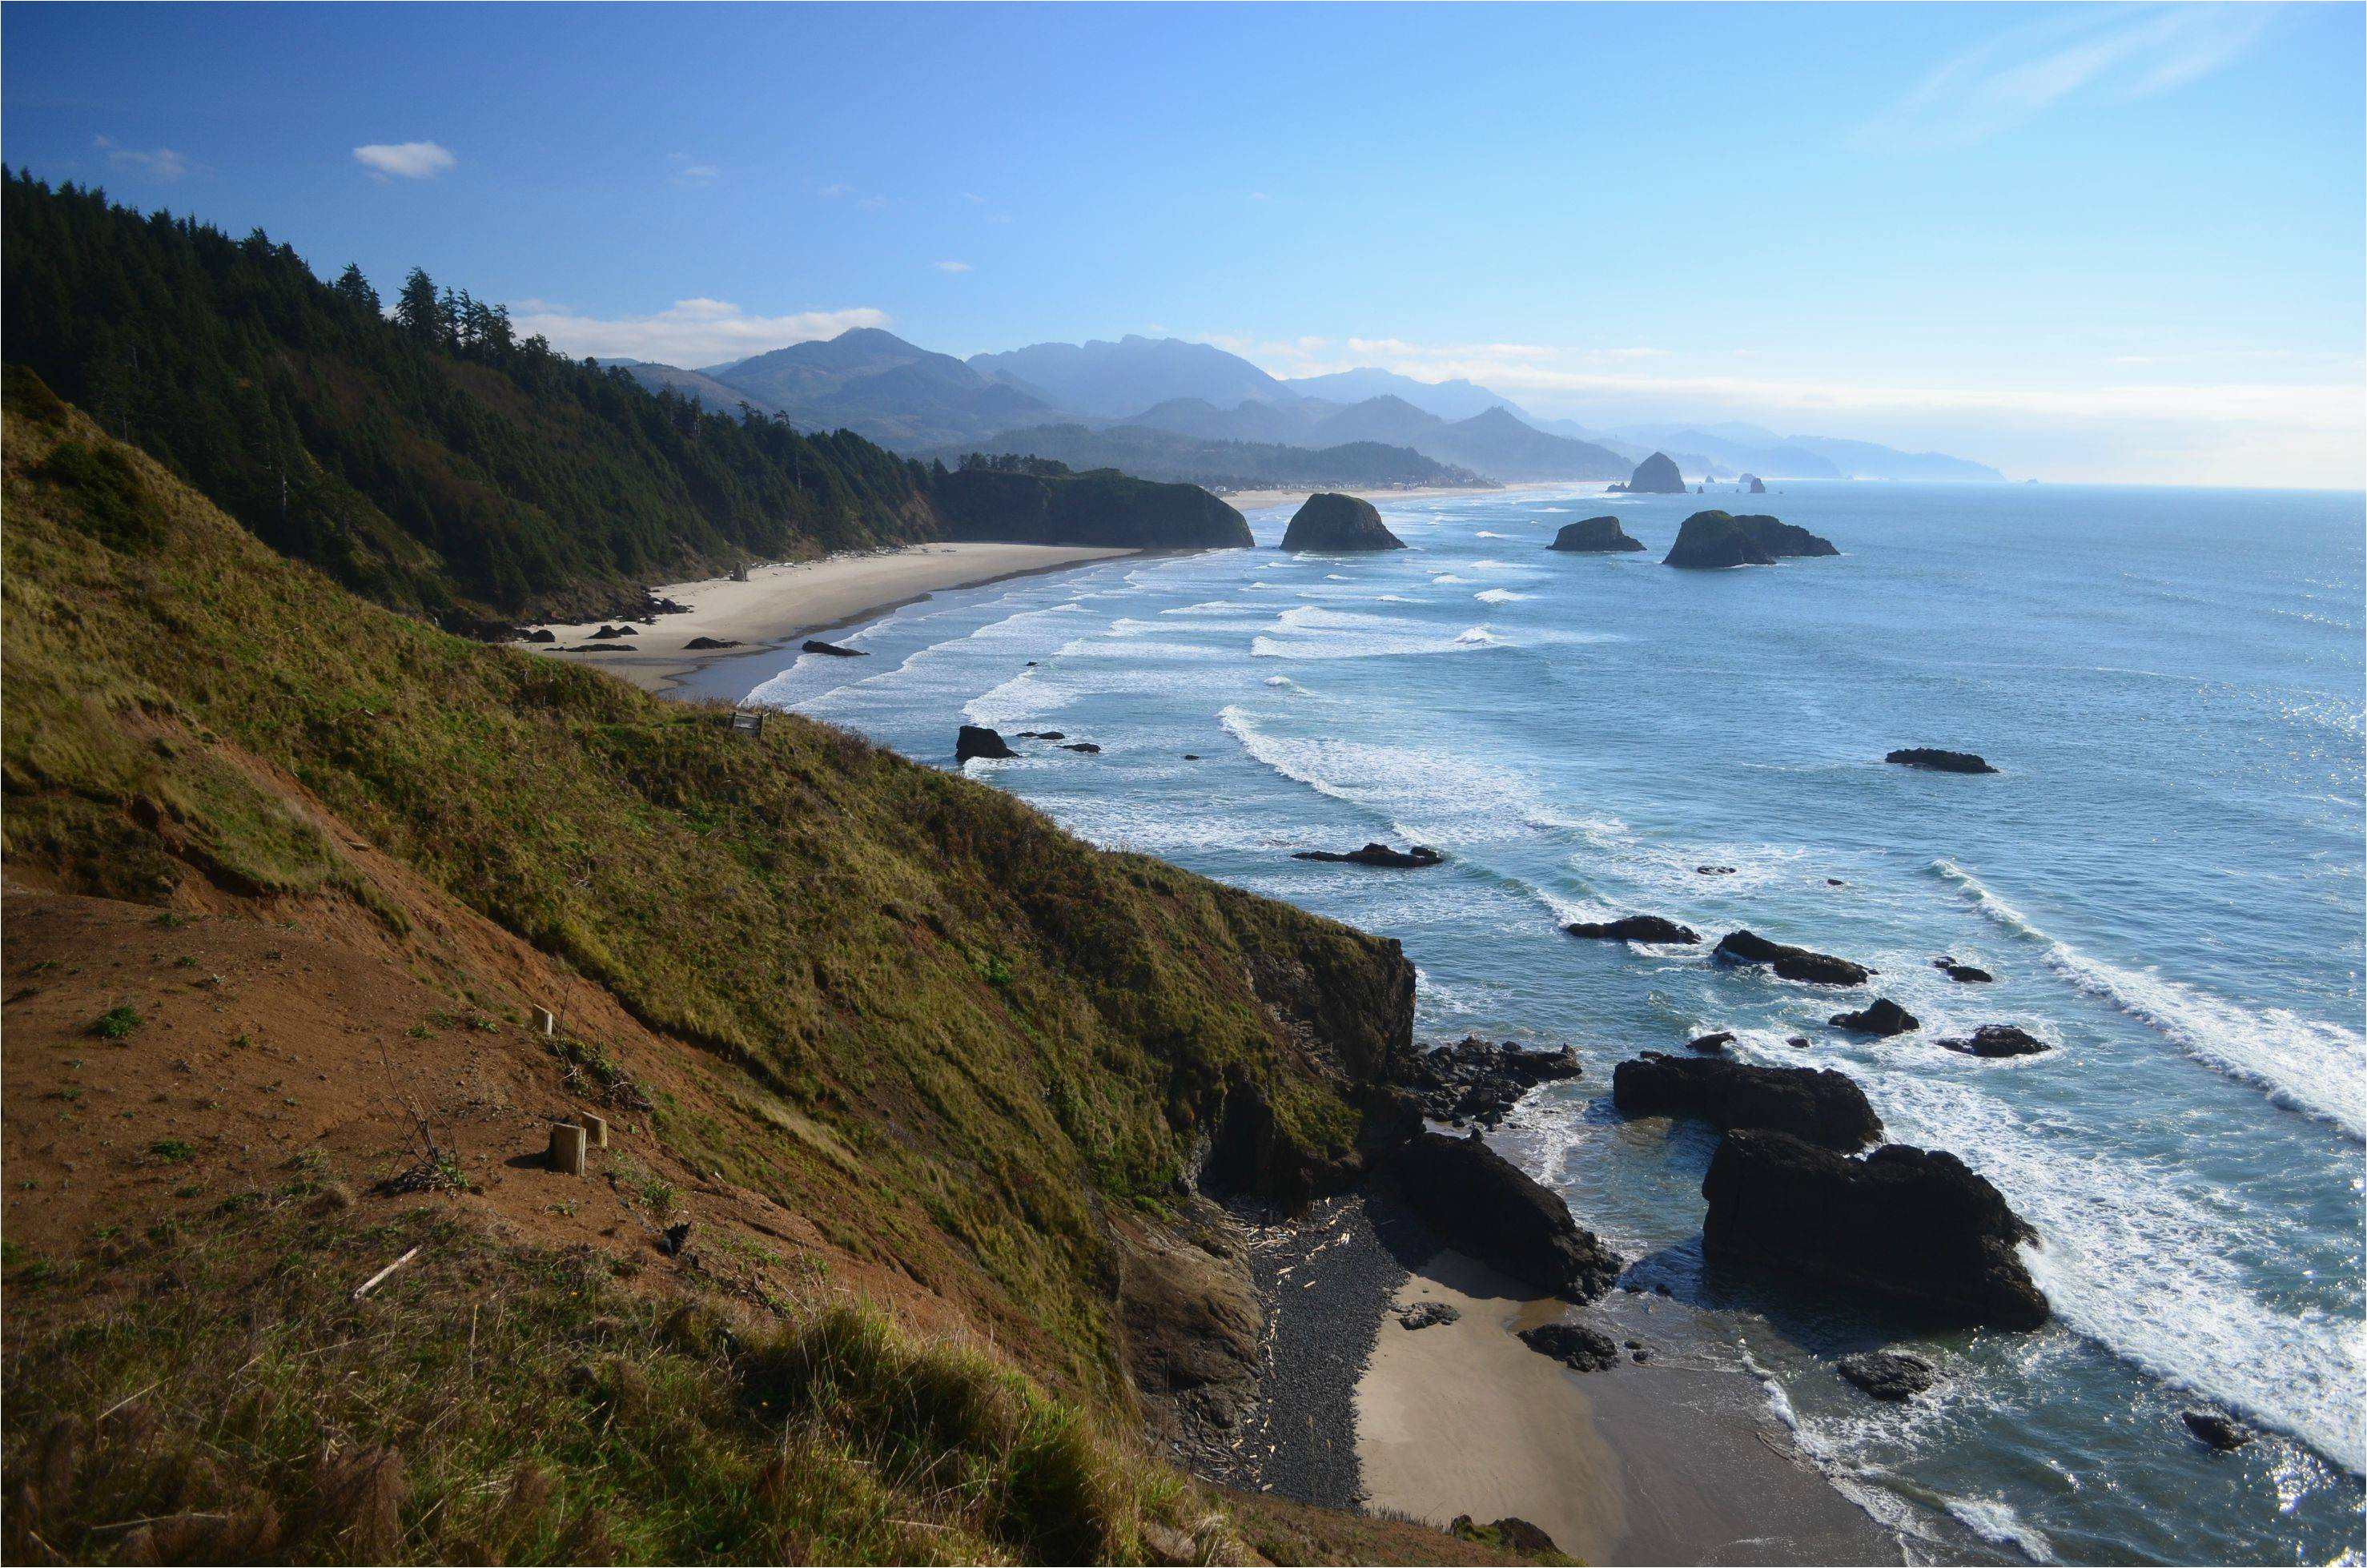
(1889, 1374)
(1708, 541)
(1377, 854)
(978, 740)
(1594, 536)
(1429, 1314)
(1714, 870)
(1655, 475)
(1486, 1207)
(1574, 1345)
(815, 645)
(1816, 1104)
(1998, 1040)
(1756, 485)
(2224, 1432)
(1711, 1044)
(1792, 963)
(1963, 974)
(1934, 760)
(1472, 1078)
(1912, 1224)
(1635, 928)
(1333, 522)
(697, 643)
(542, 634)
(607, 631)
(1884, 1017)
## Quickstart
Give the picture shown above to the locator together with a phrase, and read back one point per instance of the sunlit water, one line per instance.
(2166, 878)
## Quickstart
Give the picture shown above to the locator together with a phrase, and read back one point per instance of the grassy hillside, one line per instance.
(434, 462)
(878, 1030)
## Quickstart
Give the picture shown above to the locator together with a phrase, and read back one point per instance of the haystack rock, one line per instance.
(1596, 536)
(1333, 522)
(1655, 475)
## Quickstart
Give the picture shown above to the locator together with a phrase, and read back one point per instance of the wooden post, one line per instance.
(544, 1021)
(566, 1149)
(595, 1130)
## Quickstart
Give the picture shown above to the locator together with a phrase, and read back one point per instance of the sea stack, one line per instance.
(1655, 475)
(1709, 540)
(1756, 485)
(1596, 536)
(1335, 522)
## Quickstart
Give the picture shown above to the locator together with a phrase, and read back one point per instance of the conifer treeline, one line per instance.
(429, 458)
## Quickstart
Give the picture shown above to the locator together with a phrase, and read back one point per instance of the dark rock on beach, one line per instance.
(1912, 1224)
(1429, 1314)
(542, 634)
(1655, 475)
(1472, 1078)
(1412, 855)
(698, 644)
(2224, 1432)
(1635, 928)
(1334, 522)
(1963, 974)
(1889, 1374)
(1486, 1207)
(1711, 1044)
(1934, 760)
(1816, 1104)
(607, 631)
(1709, 540)
(1884, 1017)
(1596, 536)
(815, 645)
(1792, 963)
(1573, 1344)
(1998, 1040)
(977, 741)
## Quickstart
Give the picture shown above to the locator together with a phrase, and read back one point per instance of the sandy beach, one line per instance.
(1673, 1459)
(795, 600)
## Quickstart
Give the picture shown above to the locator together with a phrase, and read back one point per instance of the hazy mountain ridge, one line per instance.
(1147, 452)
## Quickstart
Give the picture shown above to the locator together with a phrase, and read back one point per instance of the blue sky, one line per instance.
(2116, 241)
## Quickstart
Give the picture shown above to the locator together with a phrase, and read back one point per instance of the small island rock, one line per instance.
(1635, 928)
(1412, 855)
(1792, 963)
(1817, 1104)
(1884, 1017)
(1934, 760)
(1998, 1040)
(1756, 485)
(1596, 536)
(1889, 1374)
(1711, 541)
(1330, 521)
(1655, 475)
(977, 741)
(1962, 974)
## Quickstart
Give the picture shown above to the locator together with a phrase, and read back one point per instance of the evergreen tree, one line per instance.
(356, 290)
(416, 310)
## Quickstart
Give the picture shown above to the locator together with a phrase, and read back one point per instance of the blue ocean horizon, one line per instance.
(2164, 876)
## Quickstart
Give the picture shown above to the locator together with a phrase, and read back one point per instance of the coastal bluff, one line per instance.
(1102, 508)
(1330, 521)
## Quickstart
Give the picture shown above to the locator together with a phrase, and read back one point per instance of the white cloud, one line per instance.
(403, 160)
(689, 332)
(2121, 52)
(873, 203)
(953, 267)
(690, 172)
(160, 163)
(834, 191)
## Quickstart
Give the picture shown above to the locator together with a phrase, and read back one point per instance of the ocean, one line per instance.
(2166, 878)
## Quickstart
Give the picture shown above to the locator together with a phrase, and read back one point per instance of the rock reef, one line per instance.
(1482, 1082)
(1916, 1225)
(1412, 855)
(1792, 963)
(1635, 928)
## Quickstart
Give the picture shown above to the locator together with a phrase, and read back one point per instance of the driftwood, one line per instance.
(375, 1280)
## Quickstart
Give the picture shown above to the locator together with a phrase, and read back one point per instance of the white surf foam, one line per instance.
(1994, 1520)
(2305, 1064)
(1498, 596)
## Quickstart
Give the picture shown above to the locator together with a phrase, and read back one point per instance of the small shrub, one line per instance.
(116, 1023)
(116, 507)
(170, 1150)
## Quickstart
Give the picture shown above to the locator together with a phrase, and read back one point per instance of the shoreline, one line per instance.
(1673, 1459)
(779, 602)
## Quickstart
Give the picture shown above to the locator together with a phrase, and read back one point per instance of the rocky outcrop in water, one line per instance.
(1884, 1017)
(1792, 963)
(1934, 760)
(1889, 1374)
(1412, 855)
(815, 645)
(1962, 974)
(2224, 1432)
(1474, 1079)
(1912, 1224)
(1710, 540)
(1486, 1207)
(1596, 536)
(1635, 928)
(1816, 1104)
(1574, 1345)
(977, 741)
(1998, 1040)
(1655, 475)
(1756, 485)
(1711, 1044)
(1331, 522)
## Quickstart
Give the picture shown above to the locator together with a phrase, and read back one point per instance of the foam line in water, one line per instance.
(1994, 1520)
(2305, 1064)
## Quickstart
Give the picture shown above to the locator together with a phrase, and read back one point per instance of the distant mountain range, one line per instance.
(1214, 406)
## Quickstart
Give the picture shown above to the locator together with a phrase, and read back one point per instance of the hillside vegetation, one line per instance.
(1229, 464)
(287, 875)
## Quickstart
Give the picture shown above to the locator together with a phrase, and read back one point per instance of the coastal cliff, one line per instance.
(1103, 508)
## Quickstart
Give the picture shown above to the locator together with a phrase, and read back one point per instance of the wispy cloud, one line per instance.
(2120, 54)
(689, 332)
(874, 203)
(953, 267)
(160, 162)
(403, 160)
(689, 173)
(832, 192)
(974, 198)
